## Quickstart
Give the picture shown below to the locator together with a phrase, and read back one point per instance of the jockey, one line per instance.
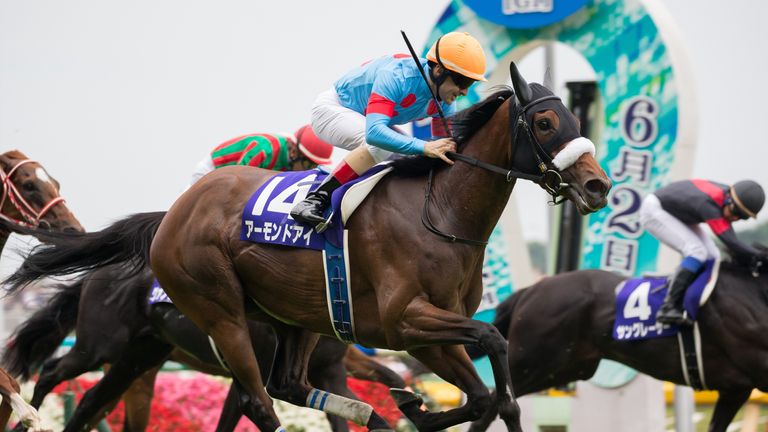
(269, 151)
(673, 214)
(360, 111)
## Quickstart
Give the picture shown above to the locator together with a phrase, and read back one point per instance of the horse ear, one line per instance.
(6, 163)
(549, 83)
(521, 86)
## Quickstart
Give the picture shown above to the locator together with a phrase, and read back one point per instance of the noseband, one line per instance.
(10, 192)
(549, 179)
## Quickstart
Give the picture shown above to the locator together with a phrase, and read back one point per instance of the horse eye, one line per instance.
(29, 186)
(544, 124)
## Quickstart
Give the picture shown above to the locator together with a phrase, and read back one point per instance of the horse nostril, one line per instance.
(597, 187)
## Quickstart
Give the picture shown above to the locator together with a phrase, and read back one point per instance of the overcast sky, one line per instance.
(119, 100)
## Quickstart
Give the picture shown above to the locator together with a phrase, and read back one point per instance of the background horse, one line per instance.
(12, 401)
(411, 290)
(560, 328)
(30, 197)
(116, 325)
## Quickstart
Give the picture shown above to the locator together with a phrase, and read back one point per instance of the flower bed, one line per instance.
(190, 402)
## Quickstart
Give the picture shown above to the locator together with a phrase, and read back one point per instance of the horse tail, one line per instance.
(125, 241)
(502, 321)
(37, 338)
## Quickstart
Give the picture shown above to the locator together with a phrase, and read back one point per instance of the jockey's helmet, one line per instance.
(748, 198)
(311, 146)
(461, 53)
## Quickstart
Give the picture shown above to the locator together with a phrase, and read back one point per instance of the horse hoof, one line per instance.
(404, 397)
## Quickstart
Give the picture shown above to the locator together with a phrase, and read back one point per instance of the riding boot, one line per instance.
(671, 312)
(311, 210)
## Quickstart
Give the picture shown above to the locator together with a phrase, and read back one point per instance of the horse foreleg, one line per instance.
(363, 367)
(331, 376)
(142, 355)
(232, 410)
(452, 364)
(488, 417)
(288, 381)
(423, 324)
(728, 404)
(138, 401)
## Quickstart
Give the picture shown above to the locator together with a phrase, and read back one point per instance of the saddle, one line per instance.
(266, 216)
(638, 300)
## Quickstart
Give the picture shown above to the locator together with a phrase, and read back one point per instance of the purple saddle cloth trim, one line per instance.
(639, 299)
(265, 216)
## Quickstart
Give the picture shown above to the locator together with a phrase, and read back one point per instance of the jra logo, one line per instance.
(511, 7)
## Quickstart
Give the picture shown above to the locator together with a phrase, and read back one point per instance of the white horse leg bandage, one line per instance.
(356, 411)
(573, 151)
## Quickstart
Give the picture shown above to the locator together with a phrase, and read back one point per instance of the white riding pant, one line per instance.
(689, 240)
(341, 126)
(203, 167)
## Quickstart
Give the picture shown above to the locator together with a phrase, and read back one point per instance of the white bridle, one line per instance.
(11, 193)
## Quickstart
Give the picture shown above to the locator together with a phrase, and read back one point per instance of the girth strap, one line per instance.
(689, 340)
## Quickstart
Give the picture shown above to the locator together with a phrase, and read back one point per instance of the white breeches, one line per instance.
(341, 126)
(203, 167)
(689, 240)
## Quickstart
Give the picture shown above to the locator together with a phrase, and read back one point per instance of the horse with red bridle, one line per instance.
(30, 197)
(411, 290)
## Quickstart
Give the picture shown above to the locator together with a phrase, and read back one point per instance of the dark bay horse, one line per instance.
(114, 324)
(411, 290)
(30, 197)
(560, 328)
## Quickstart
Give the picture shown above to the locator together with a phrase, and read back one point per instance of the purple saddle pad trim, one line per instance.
(263, 222)
(645, 303)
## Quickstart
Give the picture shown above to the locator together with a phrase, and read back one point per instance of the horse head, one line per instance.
(30, 196)
(547, 139)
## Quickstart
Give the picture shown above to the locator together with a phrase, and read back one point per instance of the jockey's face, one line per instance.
(729, 214)
(450, 89)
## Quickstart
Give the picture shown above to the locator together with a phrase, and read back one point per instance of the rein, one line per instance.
(550, 179)
(32, 218)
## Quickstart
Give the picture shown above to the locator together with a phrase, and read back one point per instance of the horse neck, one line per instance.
(471, 199)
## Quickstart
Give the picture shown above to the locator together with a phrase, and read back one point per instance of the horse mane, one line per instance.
(465, 124)
(732, 265)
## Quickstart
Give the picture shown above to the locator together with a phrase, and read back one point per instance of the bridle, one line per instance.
(550, 178)
(31, 217)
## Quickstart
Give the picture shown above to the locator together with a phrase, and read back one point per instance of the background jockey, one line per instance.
(358, 113)
(673, 214)
(269, 151)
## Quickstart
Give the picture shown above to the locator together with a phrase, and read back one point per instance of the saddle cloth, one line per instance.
(638, 300)
(266, 217)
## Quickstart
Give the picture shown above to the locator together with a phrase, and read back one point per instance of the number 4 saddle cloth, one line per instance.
(266, 216)
(638, 300)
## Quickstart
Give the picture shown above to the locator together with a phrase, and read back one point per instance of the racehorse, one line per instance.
(30, 197)
(116, 325)
(560, 328)
(12, 401)
(419, 299)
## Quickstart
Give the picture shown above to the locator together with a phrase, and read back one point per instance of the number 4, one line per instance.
(637, 303)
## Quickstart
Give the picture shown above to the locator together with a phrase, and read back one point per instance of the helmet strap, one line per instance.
(438, 79)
